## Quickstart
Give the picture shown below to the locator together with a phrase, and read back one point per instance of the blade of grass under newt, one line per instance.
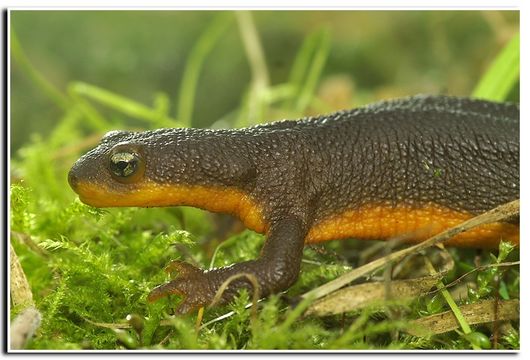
(452, 304)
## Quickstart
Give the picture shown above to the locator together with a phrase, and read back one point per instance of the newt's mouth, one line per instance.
(99, 196)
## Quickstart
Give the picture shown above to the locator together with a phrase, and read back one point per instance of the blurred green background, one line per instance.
(138, 54)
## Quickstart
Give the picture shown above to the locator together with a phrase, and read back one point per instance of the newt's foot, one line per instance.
(189, 282)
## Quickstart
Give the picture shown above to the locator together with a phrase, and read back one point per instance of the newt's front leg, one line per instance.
(276, 269)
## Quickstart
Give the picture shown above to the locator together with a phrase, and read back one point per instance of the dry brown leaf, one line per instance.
(478, 313)
(358, 296)
(19, 287)
(27, 322)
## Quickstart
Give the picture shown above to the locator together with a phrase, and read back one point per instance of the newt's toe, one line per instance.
(163, 290)
(189, 282)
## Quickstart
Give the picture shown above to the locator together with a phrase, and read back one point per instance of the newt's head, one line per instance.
(161, 168)
(136, 168)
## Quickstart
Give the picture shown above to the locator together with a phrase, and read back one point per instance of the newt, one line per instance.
(415, 166)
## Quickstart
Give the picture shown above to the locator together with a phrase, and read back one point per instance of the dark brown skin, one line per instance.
(371, 173)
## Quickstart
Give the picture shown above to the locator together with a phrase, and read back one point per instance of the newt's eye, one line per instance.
(126, 166)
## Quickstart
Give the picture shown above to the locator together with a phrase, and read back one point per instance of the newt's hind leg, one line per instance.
(276, 269)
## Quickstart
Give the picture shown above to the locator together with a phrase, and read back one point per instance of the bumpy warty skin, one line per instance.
(460, 159)
(458, 153)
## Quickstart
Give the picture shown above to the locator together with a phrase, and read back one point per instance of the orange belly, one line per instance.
(376, 222)
(381, 222)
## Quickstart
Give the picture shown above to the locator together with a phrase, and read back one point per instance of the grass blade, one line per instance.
(120, 103)
(46, 87)
(320, 56)
(186, 97)
(256, 103)
(502, 75)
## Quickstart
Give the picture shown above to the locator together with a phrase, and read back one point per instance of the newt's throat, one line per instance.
(149, 194)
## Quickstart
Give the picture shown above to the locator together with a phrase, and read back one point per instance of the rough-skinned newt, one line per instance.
(412, 166)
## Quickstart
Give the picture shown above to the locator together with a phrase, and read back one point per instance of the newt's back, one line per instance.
(399, 166)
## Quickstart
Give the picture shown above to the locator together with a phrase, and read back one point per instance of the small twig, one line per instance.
(224, 316)
(112, 326)
(482, 267)
(123, 325)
